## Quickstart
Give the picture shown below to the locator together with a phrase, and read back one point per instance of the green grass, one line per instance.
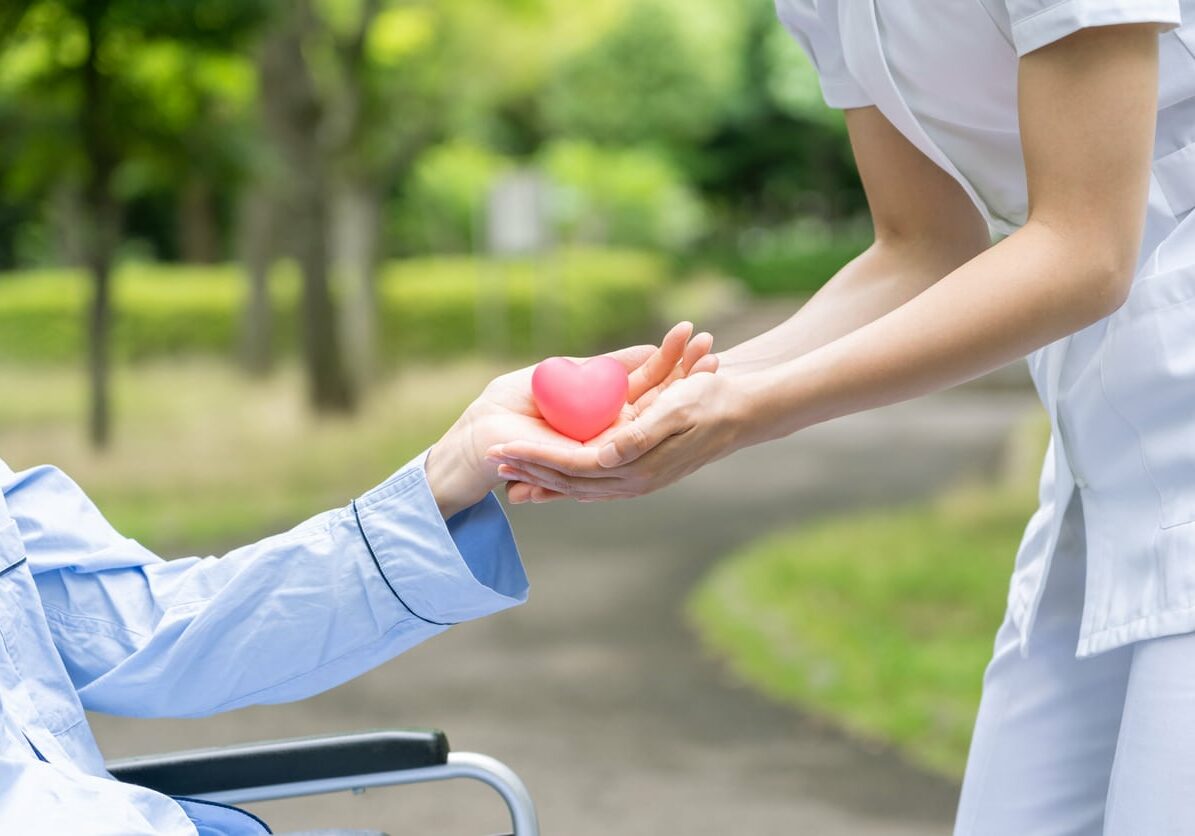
(581, 301)
(881, 621)
(205, 459)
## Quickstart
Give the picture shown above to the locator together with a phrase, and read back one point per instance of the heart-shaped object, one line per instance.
(579, 399)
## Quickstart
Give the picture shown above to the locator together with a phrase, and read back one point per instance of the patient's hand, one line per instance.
(459, 474)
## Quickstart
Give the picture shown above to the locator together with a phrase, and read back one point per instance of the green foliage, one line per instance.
(680, 98)
(643, 83)
(443, 204)
(176, 93)
(778, 153)
(797, 260)
(623, 196)
(428, 307)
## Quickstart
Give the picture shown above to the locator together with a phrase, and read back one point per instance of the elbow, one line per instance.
(1098, 266)
(1108, 277)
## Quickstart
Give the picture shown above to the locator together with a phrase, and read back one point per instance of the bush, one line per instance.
(442, 207)
(623, 196)
(580, 301)
(793, 260)
(586, 300)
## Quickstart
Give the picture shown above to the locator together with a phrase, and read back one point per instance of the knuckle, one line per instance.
(638, 437)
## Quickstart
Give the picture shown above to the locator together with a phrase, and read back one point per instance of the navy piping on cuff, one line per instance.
(377, 563)
(12, 566)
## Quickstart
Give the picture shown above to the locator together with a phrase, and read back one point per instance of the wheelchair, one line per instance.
(281, 769)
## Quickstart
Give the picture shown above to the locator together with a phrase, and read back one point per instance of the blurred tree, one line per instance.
(79, 61)
(624, 196)
(778, 151)
(382, 84)
(643, 82)
(294, 115)
(349, 96)
(445, 195)
(379, 82)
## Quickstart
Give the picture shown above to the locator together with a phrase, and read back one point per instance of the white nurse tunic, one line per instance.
(1120, 393)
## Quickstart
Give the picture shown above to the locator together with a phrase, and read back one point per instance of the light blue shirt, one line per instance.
(91, 619)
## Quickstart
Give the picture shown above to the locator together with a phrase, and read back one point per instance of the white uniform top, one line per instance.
(1120, 393)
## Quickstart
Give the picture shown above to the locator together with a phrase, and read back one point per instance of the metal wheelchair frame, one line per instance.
(311, 766)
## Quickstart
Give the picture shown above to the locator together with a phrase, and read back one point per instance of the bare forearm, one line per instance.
(1031, 289)
(881, 279)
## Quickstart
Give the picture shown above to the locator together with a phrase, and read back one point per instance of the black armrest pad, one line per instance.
(283, 761)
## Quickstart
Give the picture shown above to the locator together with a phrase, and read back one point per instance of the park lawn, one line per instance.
(881, 622)
(205, 459)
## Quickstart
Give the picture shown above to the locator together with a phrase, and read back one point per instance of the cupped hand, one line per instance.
(677, 358)
(456, 466)
(688, 424)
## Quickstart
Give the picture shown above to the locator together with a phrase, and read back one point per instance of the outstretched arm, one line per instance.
(1087, 112)
(297, 613)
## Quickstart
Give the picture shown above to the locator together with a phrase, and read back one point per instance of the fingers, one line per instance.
(658, 366)
(708, 364)
(632, 357)
(518, 493)
(698, 348)
(640, 436)
(570, 461)
(552, 482)
(697, 360)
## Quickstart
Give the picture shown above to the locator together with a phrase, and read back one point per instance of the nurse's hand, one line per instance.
(457, 471)
(694, 421)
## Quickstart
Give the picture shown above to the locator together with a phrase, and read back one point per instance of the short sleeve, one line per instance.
(1036, 23)
(815, 28)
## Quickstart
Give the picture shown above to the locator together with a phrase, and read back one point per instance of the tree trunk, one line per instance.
(69, 221)
(258, 248)
(355, 242)
(329, 386)
(198, 228)
(103, 224)
(98, 335)
(293, 117)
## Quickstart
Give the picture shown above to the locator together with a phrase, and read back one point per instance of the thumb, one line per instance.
(634, 356)
(639, 437)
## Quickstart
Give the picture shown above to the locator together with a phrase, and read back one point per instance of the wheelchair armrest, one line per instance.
(202, 771)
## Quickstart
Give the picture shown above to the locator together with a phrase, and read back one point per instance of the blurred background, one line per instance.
(255, 254)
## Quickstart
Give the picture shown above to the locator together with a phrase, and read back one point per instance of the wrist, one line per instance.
(456, 472)
(769, 404)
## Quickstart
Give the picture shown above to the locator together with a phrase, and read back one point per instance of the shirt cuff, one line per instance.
(443, 572)
(1069, 16)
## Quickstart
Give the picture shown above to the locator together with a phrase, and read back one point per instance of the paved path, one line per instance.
(597, 693)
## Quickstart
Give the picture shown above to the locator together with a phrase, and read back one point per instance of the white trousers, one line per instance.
(1081, 747)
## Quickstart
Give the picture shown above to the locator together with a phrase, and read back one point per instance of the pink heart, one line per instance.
(579, 400)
